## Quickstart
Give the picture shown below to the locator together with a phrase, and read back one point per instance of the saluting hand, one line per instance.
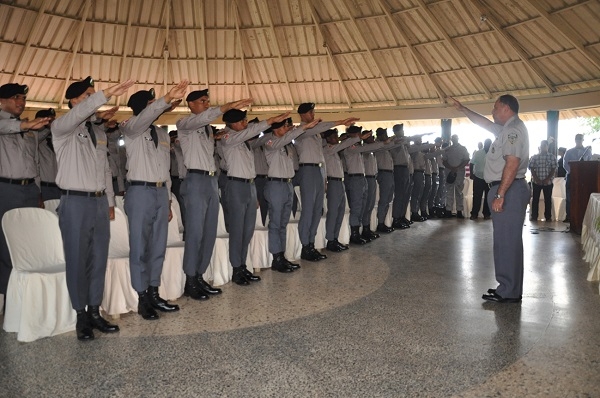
(175, 104)
(35, 124)
(107, 114)
(240, 104)
(279, 118)
(312, 124)
(350, 121)
(178, 91)
(456, 104)
(366, 135)
(118, 89)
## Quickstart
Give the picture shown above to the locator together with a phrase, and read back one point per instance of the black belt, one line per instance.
(494, 183)
(334, 179)
(419, 171)
(18, 181)
(246, 180)
(261, 176)
(48, 184)
(96, 194)
(223, 171)
(433, 173)
(400, 165)
(311, 164)
(114, 178)
(157, 184)
(172, 177)
(441, 168)
(385, 171)
(203, 172)
(371, 176)
(279, 179)
(356, 175)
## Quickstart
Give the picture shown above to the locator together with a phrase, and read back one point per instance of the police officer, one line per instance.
(115, 157)
(46, 159)
(385, 179)
(505, 168)
(241, 191)
(402, 179)
(311, 179)
(178, 172)
(87, 201)
(336, 191)
(440, 195)
(147, 202)
(419, 163)
(17, 163)
(356, 184)
(371, 177)
(200, 189)
(262, 170)
(279, 189)
(456, 158)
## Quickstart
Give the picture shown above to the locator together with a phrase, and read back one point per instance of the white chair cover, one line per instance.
(172, 280)
(258, 251)
(219, 270)
(37, 300)
(120, 202)
(293, 246)
(177, 210)
(52, 205)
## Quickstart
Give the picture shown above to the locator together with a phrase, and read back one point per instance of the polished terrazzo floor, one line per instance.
(399, 317)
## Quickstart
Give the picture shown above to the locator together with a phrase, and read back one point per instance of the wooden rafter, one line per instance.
(566, 31)
(32, 33)
(167, 15)
(329, 54)
(203, 38)
(240, 48)
(126, 45)
(454, 47)
(86, 10)
(360, 36)
(418, 58)
(483, 10)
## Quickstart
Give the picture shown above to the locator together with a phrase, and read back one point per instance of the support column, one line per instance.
(552, 120)
(446, 129)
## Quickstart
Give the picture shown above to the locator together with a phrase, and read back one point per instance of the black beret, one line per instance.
(45, 113)
(329, 133)
(77, 88)
(306, 107)
(173, 133)
(139, 101)
(255, 120)
(438, 139)
(234, 115)
(194, 95)
(12, 89)
(354, 129)
(380, 131)
(276, 125)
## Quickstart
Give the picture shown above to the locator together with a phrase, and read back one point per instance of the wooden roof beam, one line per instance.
(126, 45)
(32, 33)
(201, 17)
(241, 49)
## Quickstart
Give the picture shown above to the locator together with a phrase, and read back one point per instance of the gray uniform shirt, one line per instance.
(310, 145)
(370, 163)
(47, 166)
(281, 164)
(115, 160)
(181, 170)
(333, 159)
(197, 140)
(353, 155)
(222, 161)
(81, 166)
(17, 154)
(237, 152)
(400, 153)
(261, 166)
(145, 160)
(511, 139)
(456, 154)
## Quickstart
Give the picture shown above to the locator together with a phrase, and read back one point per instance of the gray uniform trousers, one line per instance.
(260, 183)
(49, 193)
(222, 182)
(241, 200)
(370, 201)
(454, 192)
(85, 229)
(433, 192)
(401, 184)
(336, 207)
(312, 191)
(508, 238)
(201, 197)
(440, 195)
(386, 194)
(13, 196)
(417, 191)
(356, 190)
(176, 184)
(426, 194)
(279, 196)
(147, 211)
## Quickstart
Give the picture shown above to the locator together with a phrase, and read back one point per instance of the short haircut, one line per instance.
(579, 137)
(510, 101)
(544, 142)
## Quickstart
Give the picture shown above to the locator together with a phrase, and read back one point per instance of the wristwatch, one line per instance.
(498, 196)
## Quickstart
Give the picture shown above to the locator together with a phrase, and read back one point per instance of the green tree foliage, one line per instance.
(592, 125)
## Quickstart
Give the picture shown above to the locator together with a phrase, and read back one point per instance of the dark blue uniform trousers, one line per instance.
(241, 203)
(336, 207)
(356, 190)
(279, 196)
(370, 201)
(386, 194)
(312, 192)
(401, 186)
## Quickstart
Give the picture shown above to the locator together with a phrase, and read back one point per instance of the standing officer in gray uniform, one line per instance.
(371, 176)
(87, 201)
(385, 180)
(336, 191)
(241, 191)
(279, 190)
(178, 172)
(17, 163)
(356, 185)
(200, 189)
(311, 179)
(115, 159)
(456, 158)
(505, 168)
(262, 169)
(402, 180)
(46, 159)
(147, 202)
(419, 164)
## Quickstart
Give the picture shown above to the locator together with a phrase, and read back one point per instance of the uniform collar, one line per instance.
(6, 115)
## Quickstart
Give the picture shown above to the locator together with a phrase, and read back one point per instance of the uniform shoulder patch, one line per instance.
(269, 143)
(512, 137)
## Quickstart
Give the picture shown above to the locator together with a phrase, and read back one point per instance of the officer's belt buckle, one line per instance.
(160, 184)
(342, 179)
(98, 194)
(251, 180)
(24, 182)
(320, 164)
(211, 173)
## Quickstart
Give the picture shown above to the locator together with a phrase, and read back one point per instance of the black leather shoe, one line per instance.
(291, 264)
(317, 253)
(415, 217)
(99, 323)
(192, 289)
(249, 275)
(355, 236)
(158, 303)
(406, 221)
(239, 278)
(145, 308)
(499, 299)
(83, 327)
(493, 291)
(384, 229)
(460, 215)
(308, 254)
(206, 287)
(333, 246)
(279, 263)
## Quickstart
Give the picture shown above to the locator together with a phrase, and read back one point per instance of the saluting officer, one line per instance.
(279, 190)
(402, 179)
(370, 176)
(87, 201)
(241, 191)
(310, 177)
(46, 159)
(115, 159)
(147, 202)
(17, 163)
(385, 180)
(200, 189)
(336, 191)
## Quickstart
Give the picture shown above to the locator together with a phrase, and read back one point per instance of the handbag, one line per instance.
(451, 177)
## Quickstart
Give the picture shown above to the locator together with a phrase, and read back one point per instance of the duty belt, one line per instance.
(334, 179)
(48, 184)
(494, 183)
(356, 175)
(96, 194)
(157, 184)
(18, 181)
(203, 172)
(311, 164)
(246, 180)
(279, 179)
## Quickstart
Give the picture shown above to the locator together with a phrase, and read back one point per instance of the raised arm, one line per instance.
(475, 117)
